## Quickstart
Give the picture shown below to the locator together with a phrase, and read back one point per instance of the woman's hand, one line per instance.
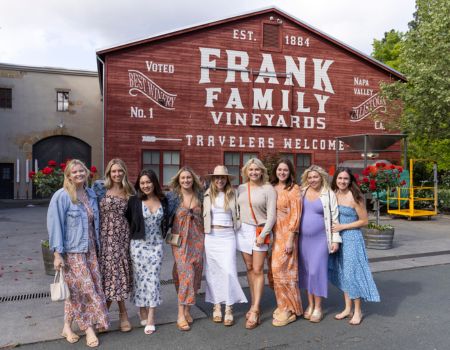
(259, 241)
(58, 261)
(337, 228)
(334, 247)
(289, 247)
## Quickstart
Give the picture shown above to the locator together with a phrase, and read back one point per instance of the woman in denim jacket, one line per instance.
(73, 228)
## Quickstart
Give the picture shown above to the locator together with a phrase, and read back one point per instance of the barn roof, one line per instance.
(101, 53)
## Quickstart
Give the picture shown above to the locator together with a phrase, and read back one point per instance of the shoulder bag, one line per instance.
(59, 290)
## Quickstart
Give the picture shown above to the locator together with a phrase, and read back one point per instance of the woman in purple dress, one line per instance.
(319, 213)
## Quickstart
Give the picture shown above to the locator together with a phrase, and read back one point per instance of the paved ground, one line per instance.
(35, 318)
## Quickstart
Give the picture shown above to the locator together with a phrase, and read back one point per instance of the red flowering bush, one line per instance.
(380, 177)
(50, 179)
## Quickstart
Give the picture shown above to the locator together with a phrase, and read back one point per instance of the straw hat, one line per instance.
(221, 170)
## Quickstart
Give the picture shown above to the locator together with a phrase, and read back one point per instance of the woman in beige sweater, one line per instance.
(257, 202)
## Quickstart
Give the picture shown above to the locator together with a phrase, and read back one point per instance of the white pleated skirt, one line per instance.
(222, 284)
(245, 240)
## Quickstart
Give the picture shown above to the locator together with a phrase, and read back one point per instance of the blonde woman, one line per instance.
(319, 214)
(185, 216)
(115, 262)
(257, 202)
(73, 228)
(221, 220)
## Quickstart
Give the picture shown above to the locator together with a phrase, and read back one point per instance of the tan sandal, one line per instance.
(217, 313)
(316, 316)
(228, 320)
(183, 326)
(125, 326)
(307, 313)
(92, 341)
(280, 323)
(189, 318)
(71, 338)
(253, 320)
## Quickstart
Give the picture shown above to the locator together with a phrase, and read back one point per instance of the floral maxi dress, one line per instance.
(86, 304)
(188, 266)
(115, 262)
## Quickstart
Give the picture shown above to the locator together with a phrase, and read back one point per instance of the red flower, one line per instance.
(51, 163)
(365, 180)
(365, 172)
(356, 177)
(47, 170)
(93, 169)
(63, 166)
(372, 185)
(391, 166)
(31, 174)
(403, 183)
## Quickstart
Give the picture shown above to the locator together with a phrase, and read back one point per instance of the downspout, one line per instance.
(102, 90)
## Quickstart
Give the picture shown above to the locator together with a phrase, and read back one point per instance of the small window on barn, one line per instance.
(5, 98)
(164, 163)
(62, 101)
(271, 36)
(302, 162)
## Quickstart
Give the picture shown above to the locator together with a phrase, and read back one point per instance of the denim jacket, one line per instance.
(67, 223)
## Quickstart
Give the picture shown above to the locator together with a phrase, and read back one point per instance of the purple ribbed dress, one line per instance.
(313, 249)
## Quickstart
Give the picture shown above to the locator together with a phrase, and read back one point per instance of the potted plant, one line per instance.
(47, 256)
(377, 179)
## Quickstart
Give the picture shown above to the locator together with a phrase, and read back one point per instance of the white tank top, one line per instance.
(220, 216)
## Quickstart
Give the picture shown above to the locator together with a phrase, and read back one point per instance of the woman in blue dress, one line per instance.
(147, 215)
(349, 268)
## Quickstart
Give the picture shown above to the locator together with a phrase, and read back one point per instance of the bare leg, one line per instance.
(151, 316)
(357, 316)
(68, 333)
(181, 313)
(122, 310)
(143, 313)
(348, 308)
(317, 303)
(258, 278)
(91, 338)
(248, 260)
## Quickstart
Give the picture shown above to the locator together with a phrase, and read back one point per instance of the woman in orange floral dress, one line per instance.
(284, 259)
(185, 210)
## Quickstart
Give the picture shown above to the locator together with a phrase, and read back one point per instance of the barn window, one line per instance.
(234, 161)
(5, 98)
(301, 162)
(62, 101)
(164, 163)
(271, 36)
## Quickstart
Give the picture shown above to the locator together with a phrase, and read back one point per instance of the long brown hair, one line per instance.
(127, 187)
(290, 182)
(352, 186)
(196, 185)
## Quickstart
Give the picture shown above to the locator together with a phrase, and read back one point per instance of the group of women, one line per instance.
(109, 242)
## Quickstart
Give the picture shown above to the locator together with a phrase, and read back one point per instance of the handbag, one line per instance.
(59, 290)
(259, 228)
(173, 239)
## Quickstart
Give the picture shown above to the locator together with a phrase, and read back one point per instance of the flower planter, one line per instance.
(378, 239)
(47, 256)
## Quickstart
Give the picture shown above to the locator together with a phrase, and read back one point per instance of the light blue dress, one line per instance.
(146, 256)
(349, 269)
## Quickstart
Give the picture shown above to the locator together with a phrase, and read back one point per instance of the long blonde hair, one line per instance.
(323, 174)
(174, 183)
(68, 185)
(126, 185)
(259, 164)
(228, 191)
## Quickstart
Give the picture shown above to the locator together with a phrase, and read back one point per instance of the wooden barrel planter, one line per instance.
(378, 239)
(47, 256)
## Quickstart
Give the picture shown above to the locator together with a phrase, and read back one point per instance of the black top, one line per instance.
(135, 218)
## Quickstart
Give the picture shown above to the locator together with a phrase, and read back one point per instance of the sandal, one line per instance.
(228, 320)
(316, 316)
(280, 323)
(189, 318)
(71, 338)
(307, 313)
(217, 313)
(342, 317)
(275, 312)
(125, 326)
(356, 323)
(149, 329)
(183, 325)
(92, 341)
(253, 321)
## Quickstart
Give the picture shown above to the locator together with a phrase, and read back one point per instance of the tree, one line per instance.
(425, 98)
(387, 50)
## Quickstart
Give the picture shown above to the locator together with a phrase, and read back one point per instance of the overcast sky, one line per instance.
(68, 33)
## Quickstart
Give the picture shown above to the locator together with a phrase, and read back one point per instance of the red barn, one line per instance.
(222, 92)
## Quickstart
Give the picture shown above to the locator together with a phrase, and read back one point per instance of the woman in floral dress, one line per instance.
(185, 212)
(148, 225)
(284, 258)
(73, 228)
(115, 263)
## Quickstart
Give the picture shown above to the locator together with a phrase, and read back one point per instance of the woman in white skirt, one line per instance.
(257, 201)
(221, 221)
